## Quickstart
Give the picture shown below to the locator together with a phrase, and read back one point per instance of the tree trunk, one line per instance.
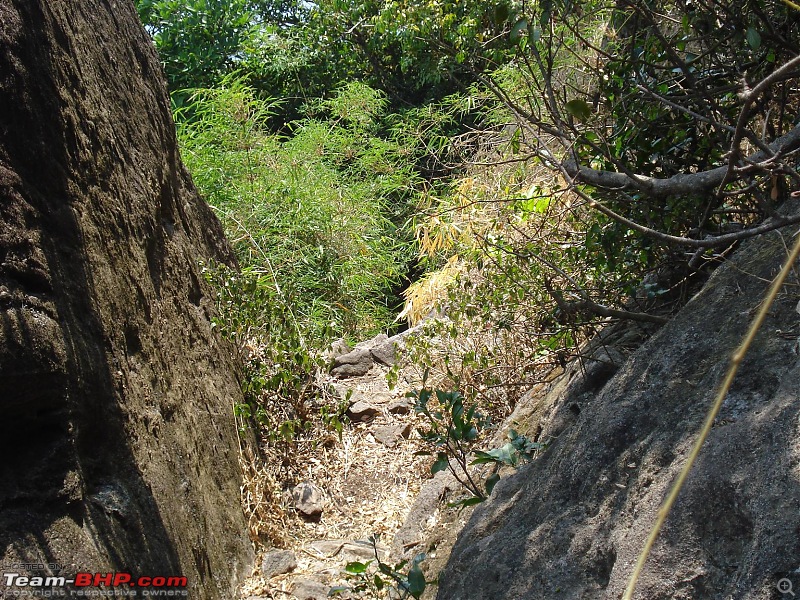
(119, 446)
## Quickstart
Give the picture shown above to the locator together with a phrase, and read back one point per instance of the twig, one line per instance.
(681, 184)
(749, 96)
(587, 304)
(714, 242)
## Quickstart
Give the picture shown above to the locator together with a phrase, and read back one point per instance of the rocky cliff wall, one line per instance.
(119, 452)
(571, 524)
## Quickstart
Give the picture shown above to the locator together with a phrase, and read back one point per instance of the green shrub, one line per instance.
(452, 429)
(310, 210)
(283, 396)
(375, 579)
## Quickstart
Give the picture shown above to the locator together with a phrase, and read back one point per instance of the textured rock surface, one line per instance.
(361, 411)
(389, 435)
(571, 524)
(381, 348)
(308, 500)
(357, 362)
(278, 562)
(353, 364)
(309, 589)
(400, 407)
(119, 450)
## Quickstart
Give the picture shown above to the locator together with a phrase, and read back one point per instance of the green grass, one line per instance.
(318, 214)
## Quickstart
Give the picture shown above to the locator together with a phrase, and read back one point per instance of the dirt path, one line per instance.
(368, 481)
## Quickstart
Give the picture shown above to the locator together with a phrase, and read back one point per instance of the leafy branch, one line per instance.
(452, 432)
(412, 583)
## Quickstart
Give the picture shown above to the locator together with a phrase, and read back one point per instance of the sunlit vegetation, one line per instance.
(529, 171)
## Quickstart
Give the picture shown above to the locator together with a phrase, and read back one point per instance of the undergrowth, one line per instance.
(300, 210)
(519, 285)
(319, 221)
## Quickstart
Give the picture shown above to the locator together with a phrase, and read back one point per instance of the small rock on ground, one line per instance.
(278, 562)
(400, 407)
(353, 364)
(389, 435)
(384, 353)
(308, 589)
(361, 411)
(308, 500)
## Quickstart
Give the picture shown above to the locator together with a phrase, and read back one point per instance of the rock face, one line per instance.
(119, 452)
(357, 362)
(571, 524)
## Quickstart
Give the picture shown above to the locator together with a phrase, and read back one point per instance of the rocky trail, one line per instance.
(368, 483)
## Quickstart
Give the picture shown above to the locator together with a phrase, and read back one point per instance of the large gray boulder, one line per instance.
(571, 524)
(119, 450)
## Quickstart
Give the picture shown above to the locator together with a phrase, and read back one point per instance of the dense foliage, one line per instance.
(300, 51)
(534, 169)
(319, 214)
(631, 147)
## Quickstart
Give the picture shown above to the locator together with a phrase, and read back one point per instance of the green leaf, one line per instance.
(753, 38)
(483, 458)
(491, 482)
(470, 413)
(578, 109)
(339, 589)
(378, 582)
(518, 30)
(440, 464)
(501, 14)
(416, 581)
(467, 502)
(356, 567)
(541, 205)
(506, 455)
(515, 137)
(457, 410)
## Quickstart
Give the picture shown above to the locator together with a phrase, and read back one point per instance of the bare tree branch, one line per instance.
(681, 184)
(749, 96)
(712, 242)
(590, 306)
